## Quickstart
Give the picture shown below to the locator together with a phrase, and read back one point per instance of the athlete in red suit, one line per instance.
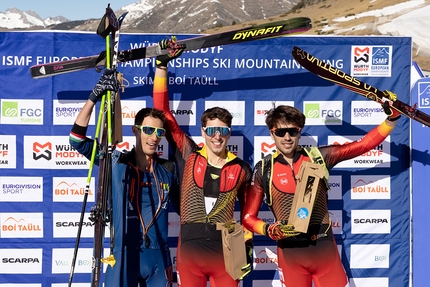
(311, 256)
(211, 179)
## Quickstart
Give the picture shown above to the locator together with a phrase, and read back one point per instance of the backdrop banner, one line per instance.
(42, 178)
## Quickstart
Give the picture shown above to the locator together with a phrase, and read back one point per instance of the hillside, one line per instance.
(324, 12)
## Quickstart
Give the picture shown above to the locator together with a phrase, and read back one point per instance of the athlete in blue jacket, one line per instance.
(142, 184)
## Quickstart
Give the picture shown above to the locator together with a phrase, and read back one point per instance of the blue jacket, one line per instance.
(133, 203)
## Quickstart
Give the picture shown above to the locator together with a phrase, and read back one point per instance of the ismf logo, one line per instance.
(381, 61)
(42, 151)
(424, 93)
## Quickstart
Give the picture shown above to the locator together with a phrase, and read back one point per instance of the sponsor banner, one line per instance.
(320, 113)
(66, 225)
(371, 61)
(265, 258)
(74, 284)
(367, 113)
(62, 260)
(184, 112)
(336, 221)
(370, 187)
(21, 112)
(223, 76)
(174, 224)
(423, 93)
(65, 112)
(129, 142)
(21, 225)
(8, 151)
(129, 109)
(72, 189)
(267, 283)
(369, 282)
(234, 145)
(264, 145)
(335, 185)
(262, 107)
(378, 157)
(370, 256)
(52, 152)
(236, 108)
(21, 261)
(21, 189)
(371, 221)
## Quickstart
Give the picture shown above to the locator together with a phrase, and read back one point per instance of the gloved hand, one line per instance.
(280, 230)
(107, 82)
(174, 51)
(393, 114)
(249, 259)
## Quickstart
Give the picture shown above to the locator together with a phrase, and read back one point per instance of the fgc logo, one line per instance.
(323, 113)
(22, 112)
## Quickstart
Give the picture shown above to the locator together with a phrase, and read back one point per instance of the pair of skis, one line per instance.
(250, 33)
(108, 118)
(332, 74)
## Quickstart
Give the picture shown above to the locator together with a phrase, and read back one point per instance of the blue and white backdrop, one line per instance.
(42, 178)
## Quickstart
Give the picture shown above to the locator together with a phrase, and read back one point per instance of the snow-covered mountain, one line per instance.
(17, 19)
(152, 16)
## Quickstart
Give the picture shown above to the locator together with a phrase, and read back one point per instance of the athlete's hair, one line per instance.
(286, 115)
(216, 113)
(149, 112)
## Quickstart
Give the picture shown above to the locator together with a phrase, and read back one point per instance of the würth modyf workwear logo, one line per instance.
(42, 151)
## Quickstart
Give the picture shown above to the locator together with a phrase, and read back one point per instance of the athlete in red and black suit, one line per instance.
(211, 180)
(311, 256)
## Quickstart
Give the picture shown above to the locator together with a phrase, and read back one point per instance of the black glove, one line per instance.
(393, 114)
(174, 51)
(107, 82)
(249, 259)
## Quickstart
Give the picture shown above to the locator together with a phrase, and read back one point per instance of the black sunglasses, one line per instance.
(149, 131)
(282, 131)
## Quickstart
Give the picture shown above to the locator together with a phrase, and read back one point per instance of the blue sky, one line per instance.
(72, 10)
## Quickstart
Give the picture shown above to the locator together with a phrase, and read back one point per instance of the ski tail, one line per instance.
(339, 77)
(251, 33)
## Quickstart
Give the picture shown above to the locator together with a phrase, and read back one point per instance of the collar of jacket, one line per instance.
(129, 157)
(204, 153)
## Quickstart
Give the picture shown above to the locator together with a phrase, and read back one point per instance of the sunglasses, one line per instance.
(211, 131)
(149, 131)
(282, 131)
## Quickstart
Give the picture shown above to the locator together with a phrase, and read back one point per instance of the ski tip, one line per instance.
(121, 18)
